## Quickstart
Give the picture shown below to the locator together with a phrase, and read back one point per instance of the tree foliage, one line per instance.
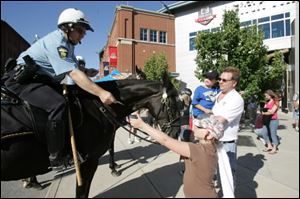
(242, 48)
(156, 66)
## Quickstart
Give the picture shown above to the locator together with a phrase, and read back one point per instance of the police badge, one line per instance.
(63, 52)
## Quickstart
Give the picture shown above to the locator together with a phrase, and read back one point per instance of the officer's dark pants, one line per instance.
(43, 96)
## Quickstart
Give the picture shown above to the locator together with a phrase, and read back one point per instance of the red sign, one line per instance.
(205, 16)
(113, 61)
(205, 20)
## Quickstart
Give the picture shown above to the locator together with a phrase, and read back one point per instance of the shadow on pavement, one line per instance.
(245, 140)
(248, 166)
(139, 154)
(166, 183)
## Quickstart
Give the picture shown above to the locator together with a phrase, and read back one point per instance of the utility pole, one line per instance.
(36, 38)
(166, 7)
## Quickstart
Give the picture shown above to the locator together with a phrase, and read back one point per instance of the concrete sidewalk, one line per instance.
(150, 170)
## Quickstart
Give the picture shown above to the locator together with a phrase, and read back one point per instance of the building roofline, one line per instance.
(10, 27)
(143, 10)
(176, 5)
(136, 9)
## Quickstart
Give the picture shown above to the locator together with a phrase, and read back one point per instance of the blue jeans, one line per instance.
(259, 132)
(273, 131)
(230, 149)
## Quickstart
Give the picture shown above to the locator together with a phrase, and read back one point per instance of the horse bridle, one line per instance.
(165, 101)
(110, 115)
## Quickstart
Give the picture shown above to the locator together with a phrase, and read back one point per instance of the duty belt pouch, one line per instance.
(25, 73)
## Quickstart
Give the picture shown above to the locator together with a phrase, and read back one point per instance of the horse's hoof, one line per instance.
(115, 166)
(26, 185)
(34, 185)
(116, 173)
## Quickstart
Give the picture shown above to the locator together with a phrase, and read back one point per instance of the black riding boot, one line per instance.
(55, 141)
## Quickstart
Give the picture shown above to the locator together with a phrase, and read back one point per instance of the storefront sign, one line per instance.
(113, 61)
(205, 16)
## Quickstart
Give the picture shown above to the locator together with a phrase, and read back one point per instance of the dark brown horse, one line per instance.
(27, 156)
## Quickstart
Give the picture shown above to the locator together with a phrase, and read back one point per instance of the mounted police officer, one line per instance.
(53, 56)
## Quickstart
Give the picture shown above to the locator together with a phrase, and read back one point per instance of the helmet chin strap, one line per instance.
(67, 33)
(71, 29)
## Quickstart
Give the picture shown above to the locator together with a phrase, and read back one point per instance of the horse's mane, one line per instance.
(122, 89)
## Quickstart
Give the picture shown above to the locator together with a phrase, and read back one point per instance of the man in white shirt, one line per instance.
(229, 105)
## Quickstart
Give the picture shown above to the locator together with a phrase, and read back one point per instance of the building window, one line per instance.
(245, 23)
(192, 43)
(287, 14)
(143, 34)
(264, 19)
(274, 17)
(217, 29)
(287, 27)
(162, 37)
(279, 26)
(193, 34)
(277, 29)
(153, 35)
(206, 30)
(265, 28)
(125, 28)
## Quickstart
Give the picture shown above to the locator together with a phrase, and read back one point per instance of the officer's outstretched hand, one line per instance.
(107, 98)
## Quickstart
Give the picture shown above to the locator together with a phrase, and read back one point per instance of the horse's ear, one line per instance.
(140, 73)
(166, 80)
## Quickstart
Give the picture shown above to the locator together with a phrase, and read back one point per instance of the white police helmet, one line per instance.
(81, 61)
(80, 58)
(73, 16)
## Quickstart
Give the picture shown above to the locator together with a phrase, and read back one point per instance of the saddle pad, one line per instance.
(14, 119)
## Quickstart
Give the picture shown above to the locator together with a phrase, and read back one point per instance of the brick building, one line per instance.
(135, 36)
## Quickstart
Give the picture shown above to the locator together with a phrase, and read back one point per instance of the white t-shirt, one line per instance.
(231, 107)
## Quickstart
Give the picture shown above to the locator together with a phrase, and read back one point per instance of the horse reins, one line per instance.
(111, 116)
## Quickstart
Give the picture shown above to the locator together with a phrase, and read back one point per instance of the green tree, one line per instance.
(156, 66)
(242, 48)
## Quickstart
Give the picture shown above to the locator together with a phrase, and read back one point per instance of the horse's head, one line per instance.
(159, 97)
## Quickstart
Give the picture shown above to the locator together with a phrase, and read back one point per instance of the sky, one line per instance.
(30, 18)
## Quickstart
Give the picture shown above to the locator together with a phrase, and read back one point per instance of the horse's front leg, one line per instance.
(112, 164)
(32, 183)
(87, 169)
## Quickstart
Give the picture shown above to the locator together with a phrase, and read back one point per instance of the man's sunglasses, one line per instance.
(224, 80)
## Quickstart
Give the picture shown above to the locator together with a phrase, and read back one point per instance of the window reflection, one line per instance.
(277, 29)
(266, 30)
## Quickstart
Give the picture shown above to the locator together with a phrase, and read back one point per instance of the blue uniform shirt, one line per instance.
(205, 97)
(53, 53)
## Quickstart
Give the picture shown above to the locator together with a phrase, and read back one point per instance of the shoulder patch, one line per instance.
(63, 52)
